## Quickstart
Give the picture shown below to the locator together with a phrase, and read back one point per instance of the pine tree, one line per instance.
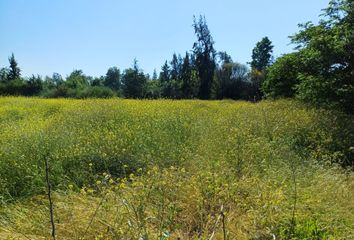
(205, 55)
(134, 82)
(14, 72)
(165, 73)
(186, 75)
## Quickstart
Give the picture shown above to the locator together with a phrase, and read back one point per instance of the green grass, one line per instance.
(163, 169)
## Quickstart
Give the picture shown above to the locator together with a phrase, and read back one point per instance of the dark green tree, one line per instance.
(4, 73)
(34, 85)
(57, 79)
(186, 76)
(134, 82)
(154, 75)
(167, 83)
(165, 73)
(231, 79)
(98, 81)
(225, 58)
(262, 54)
(261, 60)
(176, 67)
(205, 54)
(112, 79)
(15, 71)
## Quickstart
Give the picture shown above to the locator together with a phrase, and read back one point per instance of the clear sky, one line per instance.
(49, 36)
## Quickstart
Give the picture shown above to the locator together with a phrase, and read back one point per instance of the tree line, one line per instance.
(319, 71)
(200, 73)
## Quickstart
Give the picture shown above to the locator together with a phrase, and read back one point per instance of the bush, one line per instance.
(96, 92)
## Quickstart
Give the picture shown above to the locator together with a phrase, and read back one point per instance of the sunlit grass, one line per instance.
(163, 169)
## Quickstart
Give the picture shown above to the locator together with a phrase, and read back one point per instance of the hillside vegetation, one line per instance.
(164, 169)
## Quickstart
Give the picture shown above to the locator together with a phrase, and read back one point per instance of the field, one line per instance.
(187, 169)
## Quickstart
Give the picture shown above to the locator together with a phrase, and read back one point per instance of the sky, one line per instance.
(49, 36)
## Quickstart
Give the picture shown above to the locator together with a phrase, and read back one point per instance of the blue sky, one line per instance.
(49, 36)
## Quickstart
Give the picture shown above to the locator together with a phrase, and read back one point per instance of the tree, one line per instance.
(34, 85)
(165, 73)
(231, 79)
(112, 79)
(205, 54)
(134, 82)
(262, 54)
(154, 75)
(261, 60)
(98, 81)
(327, 53)
(282, 76)
(76, 80)
(4, 73)
(166, 82)
(57, 79)
(225, 58)
(176, 67)
(15, 71)
(186, 76)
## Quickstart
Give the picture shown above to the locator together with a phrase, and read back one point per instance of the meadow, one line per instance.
(175, 169)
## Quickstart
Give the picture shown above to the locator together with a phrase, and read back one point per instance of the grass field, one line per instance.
(163, 169)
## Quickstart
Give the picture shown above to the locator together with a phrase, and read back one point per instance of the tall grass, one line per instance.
(187, 169)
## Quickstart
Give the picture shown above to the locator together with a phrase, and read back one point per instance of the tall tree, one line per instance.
(186, 76)
(225, 58)
(176, 65)
(262, 54)
(327, 53)
(4, 73)
(134, 82)
(321, 71)
(165, 73)
(205, 54)
(15, 71)
(154, 75)
(112, 79)
(261, 60)
(231, 79)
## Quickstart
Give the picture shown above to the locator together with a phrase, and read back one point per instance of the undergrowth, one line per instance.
(130, 169)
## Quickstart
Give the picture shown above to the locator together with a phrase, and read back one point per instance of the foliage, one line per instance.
(14, 71)
(187, 85)
(261, 60)
(282, 76)
(170, 168)
(323, 66)
(96, 92)
(134, 81)
(262, 54)
(205, 55)
(34, 85)
(112, 79)
(76, 80)
(231, 79)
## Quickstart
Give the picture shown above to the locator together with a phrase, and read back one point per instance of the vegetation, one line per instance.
(320, 71)
(142, 168)
(165, 169)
